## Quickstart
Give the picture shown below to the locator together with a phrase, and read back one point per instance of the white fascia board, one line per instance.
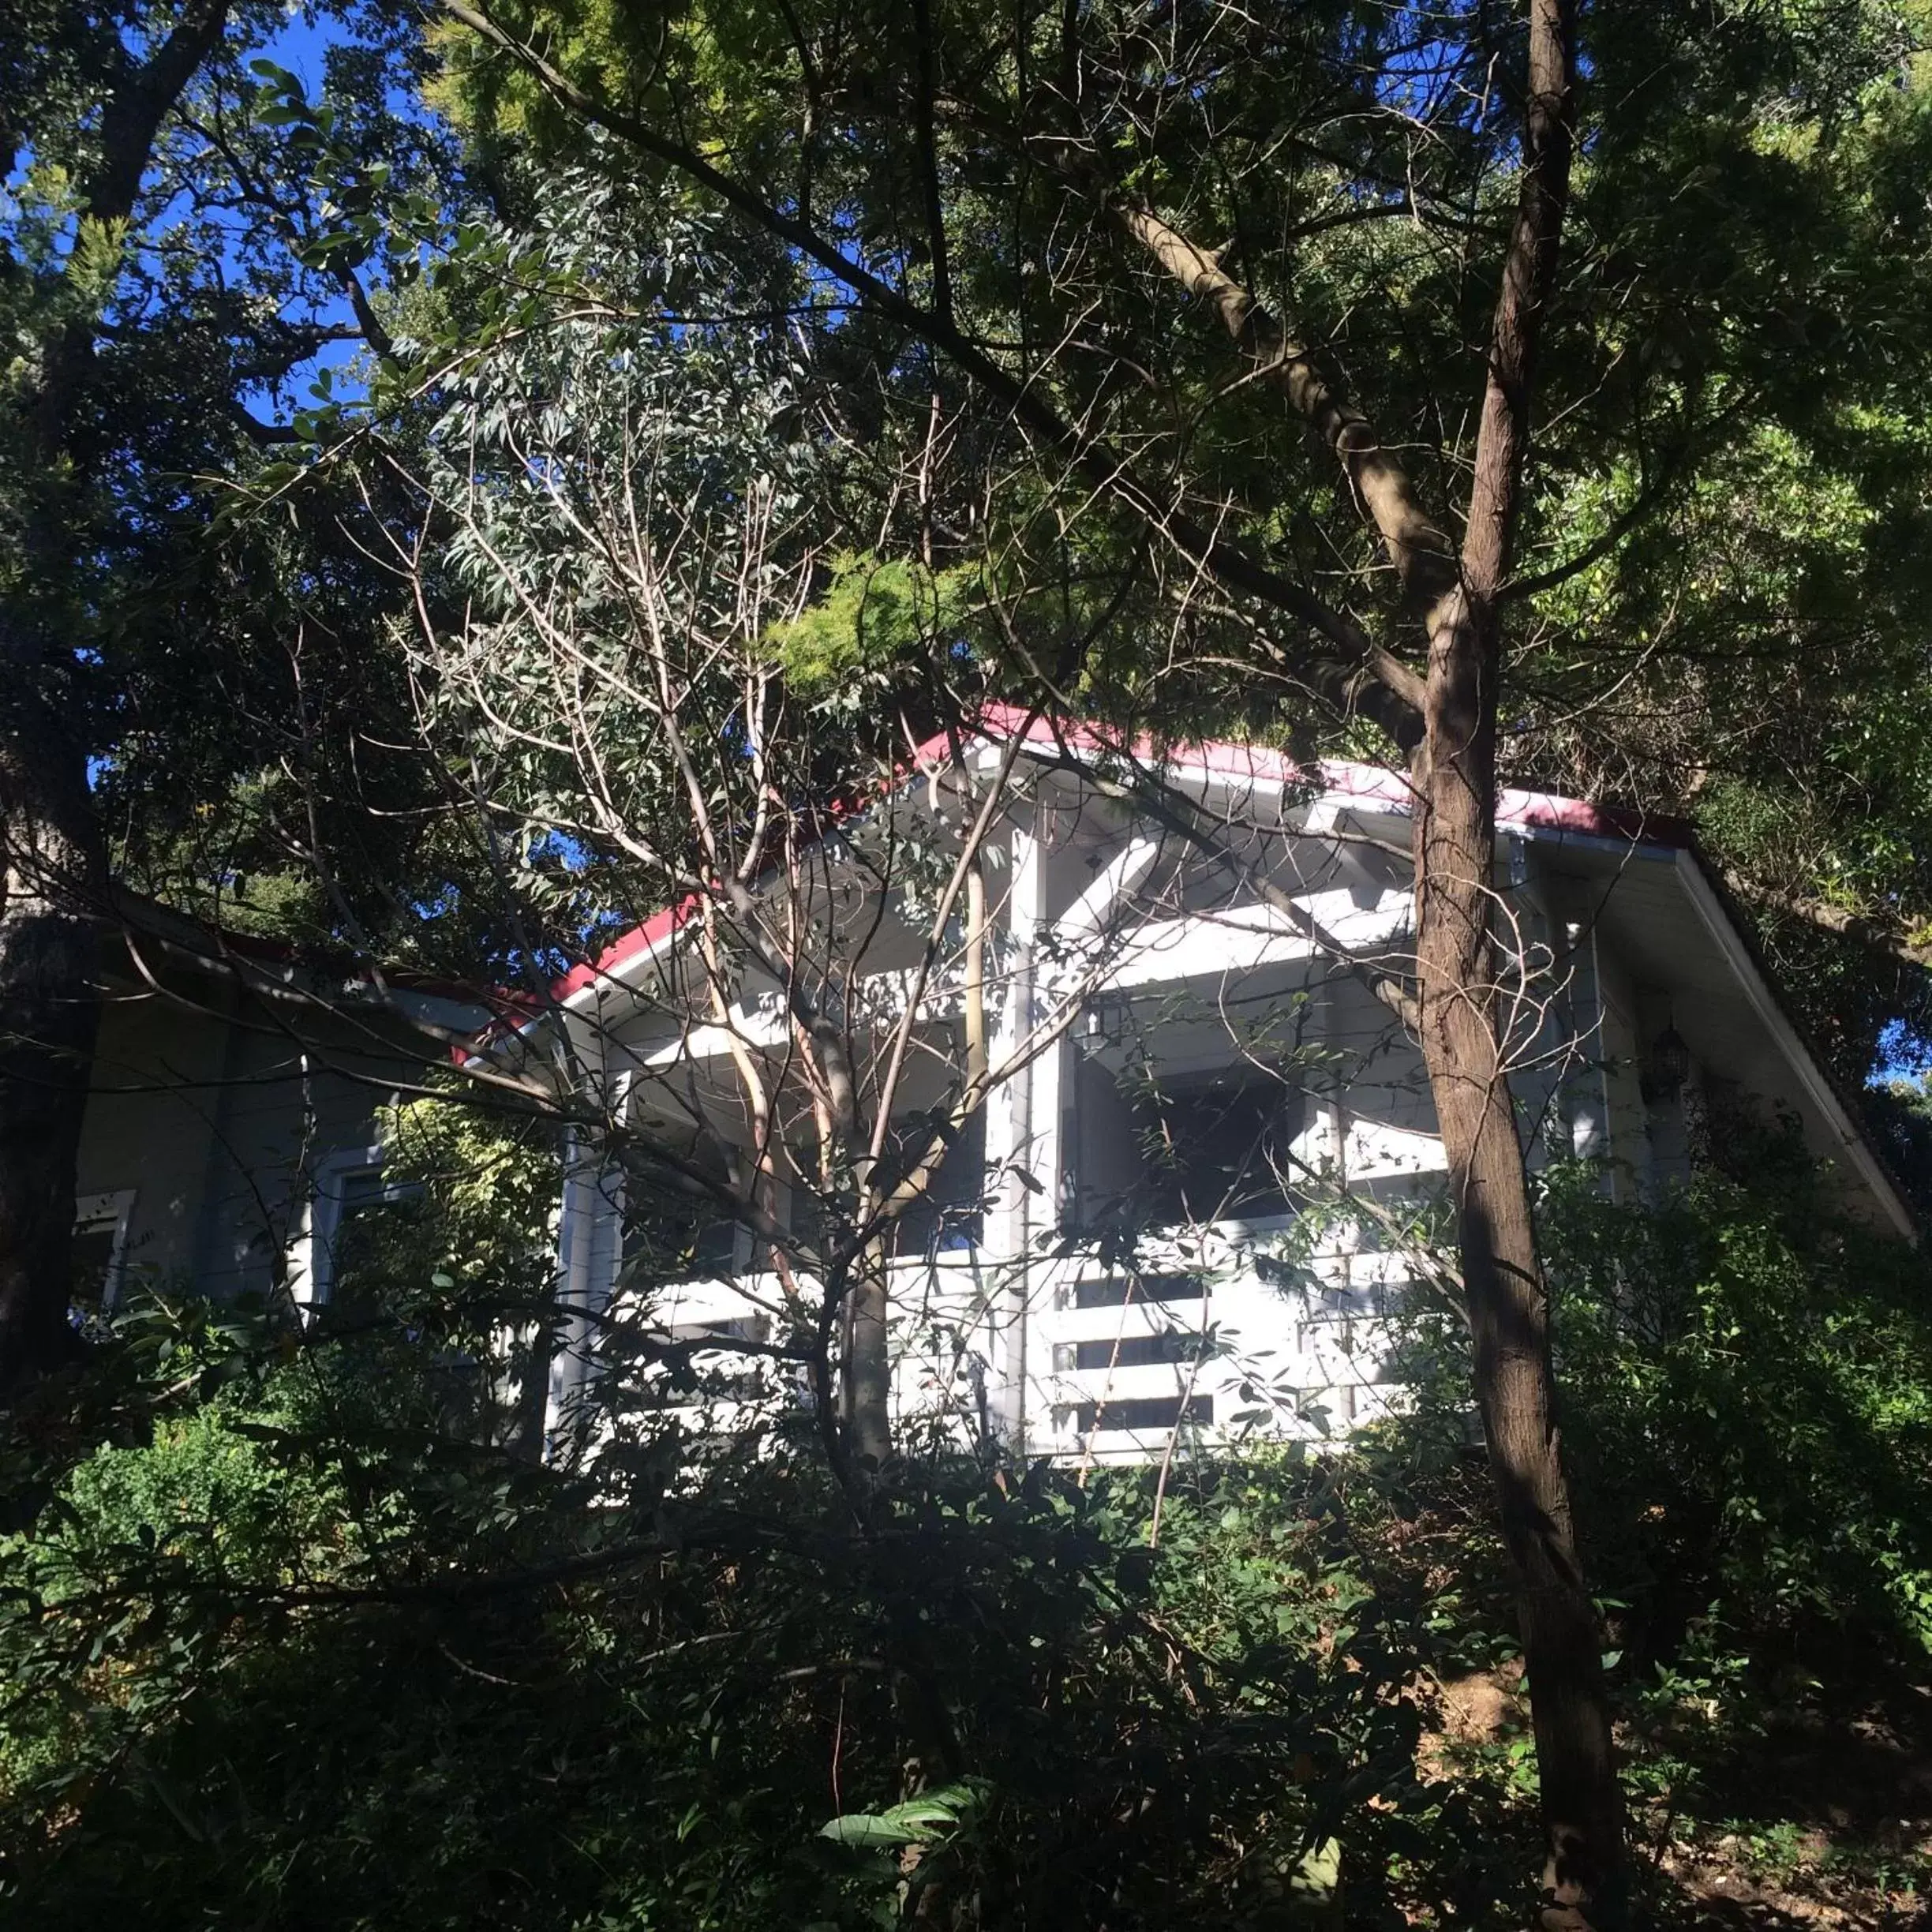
(583, 1003)
(1571, 839)
(1764, 1003)
(714, 1039)
(882, 999)
(1212, 944)
(1184, 773)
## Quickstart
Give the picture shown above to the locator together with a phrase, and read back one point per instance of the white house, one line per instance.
(1190, 1065)
(1188, 1070)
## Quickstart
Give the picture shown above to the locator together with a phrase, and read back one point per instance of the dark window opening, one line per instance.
(1117, 1291)
(91, 1298)
(1137, 1351)
(681, 1237)
(715, 1246)
(365, 1189)
(1218, 1150)
(807, 1215)
(738, 1328)
(670, 1232)
(1151, 1412)
(1186, 1151)
(948, 1215)
(366, 1204)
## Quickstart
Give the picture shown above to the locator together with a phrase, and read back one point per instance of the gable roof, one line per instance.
(1213, 759)
(1608, 833)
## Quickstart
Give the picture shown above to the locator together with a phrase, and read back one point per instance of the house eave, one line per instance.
(1713, 910)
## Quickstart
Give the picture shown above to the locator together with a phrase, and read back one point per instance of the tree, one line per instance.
(1457, 701)
(167, 270)
(1164, 332)
(55, 862)
(613, 529)
(1039, 219)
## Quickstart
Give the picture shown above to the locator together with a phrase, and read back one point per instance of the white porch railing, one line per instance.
(1217, 1341)
(1089, 1363)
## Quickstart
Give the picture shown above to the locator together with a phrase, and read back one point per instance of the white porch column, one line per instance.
(1022, 1121)
(1026, 1125)
(589, 1253)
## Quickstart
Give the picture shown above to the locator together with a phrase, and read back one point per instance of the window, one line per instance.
(715, 1248)
(1217, 1149)
(1144, 1411)
(679, 1236)
(1145, 1351)
(675, 1227)
(1118, 1290)
(948, 1215)
(731, 1328)
(1179, 1151)
(100, 1241)
(350, 1186)
(697, 1359)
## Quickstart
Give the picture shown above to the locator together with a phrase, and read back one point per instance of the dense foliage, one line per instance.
(1718, 610)
(305, 1647)
(470, 492)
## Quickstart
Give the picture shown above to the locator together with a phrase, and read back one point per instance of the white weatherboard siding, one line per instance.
(1184, 972)
(1054, 1353)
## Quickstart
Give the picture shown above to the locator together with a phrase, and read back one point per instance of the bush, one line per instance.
(1747, 1381)
(258, 1709)
(325, 1650)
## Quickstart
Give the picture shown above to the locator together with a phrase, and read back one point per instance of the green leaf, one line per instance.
(866, 1830)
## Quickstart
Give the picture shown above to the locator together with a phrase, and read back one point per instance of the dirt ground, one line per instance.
(1820, 1816)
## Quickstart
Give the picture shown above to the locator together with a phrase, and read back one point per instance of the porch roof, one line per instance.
(1366, 785)
(1663, 904)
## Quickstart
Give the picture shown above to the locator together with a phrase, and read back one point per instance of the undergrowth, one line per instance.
(293, 1646)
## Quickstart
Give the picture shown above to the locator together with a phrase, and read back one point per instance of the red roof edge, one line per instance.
(660, 925)
(1369, 784)
(1221, 758)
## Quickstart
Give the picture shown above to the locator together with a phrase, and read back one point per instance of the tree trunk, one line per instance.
(51, 872)
(1453, 770)
(1514, 1380)
(865, 1369)
(50, 1011)
(52, 854)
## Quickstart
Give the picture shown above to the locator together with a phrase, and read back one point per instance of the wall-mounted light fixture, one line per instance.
(1666, 1066)
(1104, 1021)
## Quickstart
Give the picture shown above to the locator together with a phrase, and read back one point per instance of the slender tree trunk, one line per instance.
(866, 1368)
(1453, 770)
(1515, 1380)
(865, 1373)
(50, 1011)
